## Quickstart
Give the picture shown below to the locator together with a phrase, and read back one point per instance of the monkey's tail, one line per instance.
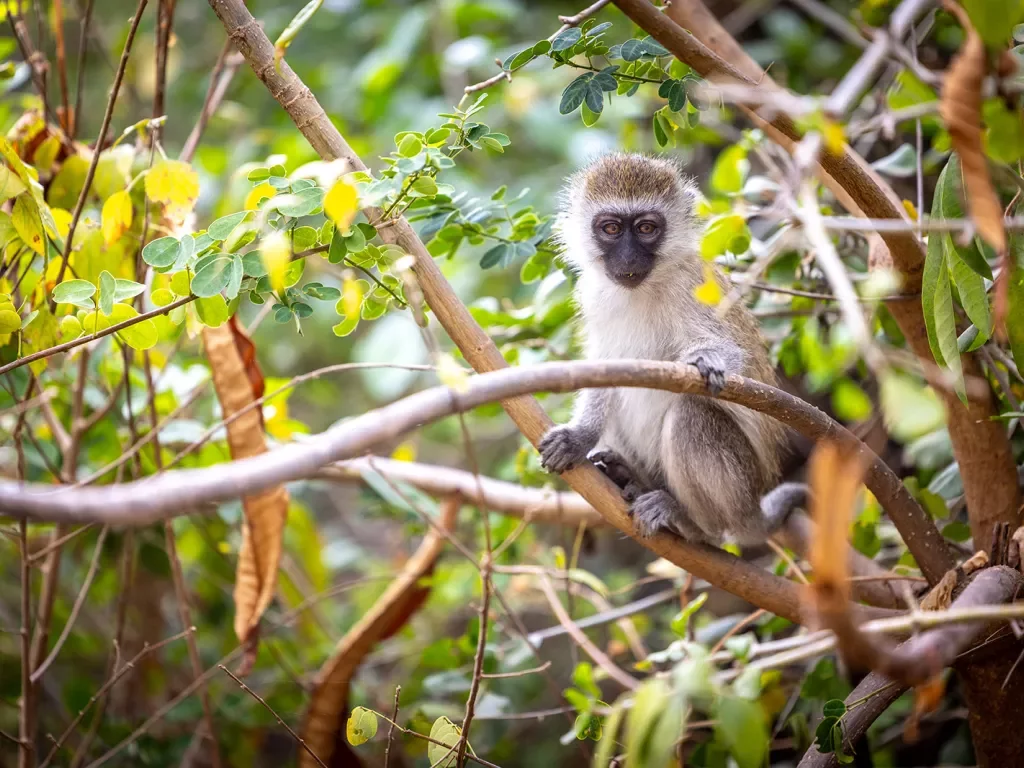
(777, 504)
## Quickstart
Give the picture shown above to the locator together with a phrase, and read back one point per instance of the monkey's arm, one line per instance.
(567, 446)
(715, 359)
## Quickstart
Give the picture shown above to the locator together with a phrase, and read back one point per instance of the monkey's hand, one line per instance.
(712, 366)
(619, 472)
(564, 448)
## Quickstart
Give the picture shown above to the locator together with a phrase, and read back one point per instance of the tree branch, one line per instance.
(174, 493)
(992, 586)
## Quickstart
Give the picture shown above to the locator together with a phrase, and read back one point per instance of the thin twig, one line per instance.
(600, 658)
(76, 608)
(104, 127)
(270, 709)
(391, 728)
(83, 50)
(51, 351)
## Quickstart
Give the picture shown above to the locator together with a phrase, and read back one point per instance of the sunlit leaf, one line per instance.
(173, 184)
(361, 726)
(116, 217)
(341, 203)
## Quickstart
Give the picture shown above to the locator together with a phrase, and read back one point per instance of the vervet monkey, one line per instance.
(692, 464)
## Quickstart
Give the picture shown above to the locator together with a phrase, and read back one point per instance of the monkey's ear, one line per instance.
(690, 196)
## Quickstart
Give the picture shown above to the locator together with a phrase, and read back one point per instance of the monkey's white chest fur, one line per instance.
(638, 324)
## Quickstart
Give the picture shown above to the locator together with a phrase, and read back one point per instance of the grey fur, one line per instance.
(687, 463)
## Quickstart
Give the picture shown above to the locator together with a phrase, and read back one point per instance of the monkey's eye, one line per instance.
(646, 227)
(611, 228)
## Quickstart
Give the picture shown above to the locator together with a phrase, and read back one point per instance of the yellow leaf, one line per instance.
(709, 292)
(10, 184)
(276, 254)
(834, 138)
(351, 297)
(405, 452)
(257, 194)
(27, 223)
(116, 216)
(173, 184)
(341, 203)
(911, 209)
(62, 219)
(451, 373)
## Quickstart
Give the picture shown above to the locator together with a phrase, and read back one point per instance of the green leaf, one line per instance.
(141, 335)
(825, 735)
(648, 704)
(632, 50)
(161, 253)
(945, 327)
(834, 708)
(259, 174)
(517, 60)
(1015, 311)
(127, 289)
(213, 275)
(849, 401)
(730, 171)
(108, 286)
(583, 678)
(321, 292)
(410, 145)
(607, 748)
(910, 409)
(161, 297)
(424, 186)
(237, 272)
(971, 287)
(588, 726)
(212, 311)
(252, 264)
(447, 733)
(566, 39)
(725, 233)
(346, 326)
(660, 135)
(301, 203)
(77, 292)
(501, 254)
(222, 227)
(681, 623)
(574, 94)
(994, 19)
(741, 726)
(361, 726)
(70, 327)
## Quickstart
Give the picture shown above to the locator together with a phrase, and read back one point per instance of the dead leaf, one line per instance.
(328, 706)
(961, 110)
(266, 512)
(927, 698)
(836, 472)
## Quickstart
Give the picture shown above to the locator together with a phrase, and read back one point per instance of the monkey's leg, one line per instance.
(660, 511)
(619, 472)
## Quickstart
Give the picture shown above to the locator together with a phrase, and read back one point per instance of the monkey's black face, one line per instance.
(628, 244)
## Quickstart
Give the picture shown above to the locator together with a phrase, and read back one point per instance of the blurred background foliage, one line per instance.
(379, 68)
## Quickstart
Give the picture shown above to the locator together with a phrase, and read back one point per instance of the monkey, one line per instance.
(691, 464)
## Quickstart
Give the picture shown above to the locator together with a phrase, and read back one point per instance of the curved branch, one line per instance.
(992, 586)
(544, 505)
(172, 493)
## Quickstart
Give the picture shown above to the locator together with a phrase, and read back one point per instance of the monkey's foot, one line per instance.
(619, 472)
(659, 511)
(561, 449)
(711, 369)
